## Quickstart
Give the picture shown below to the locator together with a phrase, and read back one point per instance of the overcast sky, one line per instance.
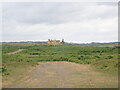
(74, 22)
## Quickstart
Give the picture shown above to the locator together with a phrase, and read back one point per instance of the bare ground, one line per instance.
(66, 75)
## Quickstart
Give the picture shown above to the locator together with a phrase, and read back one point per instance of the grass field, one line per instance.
(16, 66)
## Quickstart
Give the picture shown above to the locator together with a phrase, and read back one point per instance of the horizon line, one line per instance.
(64, 41)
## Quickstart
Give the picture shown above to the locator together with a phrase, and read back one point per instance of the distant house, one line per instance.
(50, 41)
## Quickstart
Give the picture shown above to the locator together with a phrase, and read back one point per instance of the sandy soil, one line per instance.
(67, 75)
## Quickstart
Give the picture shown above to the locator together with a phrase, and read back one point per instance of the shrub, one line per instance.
(110, 57)
(79, 58)
(34, 54)
(72, 55)
(97, 56)
(3, 69)
(6, 74)
(82, 56)
(63, 59)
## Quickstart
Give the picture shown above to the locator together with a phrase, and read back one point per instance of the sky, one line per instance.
(79, 22)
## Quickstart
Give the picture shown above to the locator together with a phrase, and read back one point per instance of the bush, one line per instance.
(110, 57)
(34, 53)
(79, 58)
(3, 69)
(6, 74)
(97, 56)
(63, 59)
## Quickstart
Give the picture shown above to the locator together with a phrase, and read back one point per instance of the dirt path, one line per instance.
(67, 75)
(15, 52)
